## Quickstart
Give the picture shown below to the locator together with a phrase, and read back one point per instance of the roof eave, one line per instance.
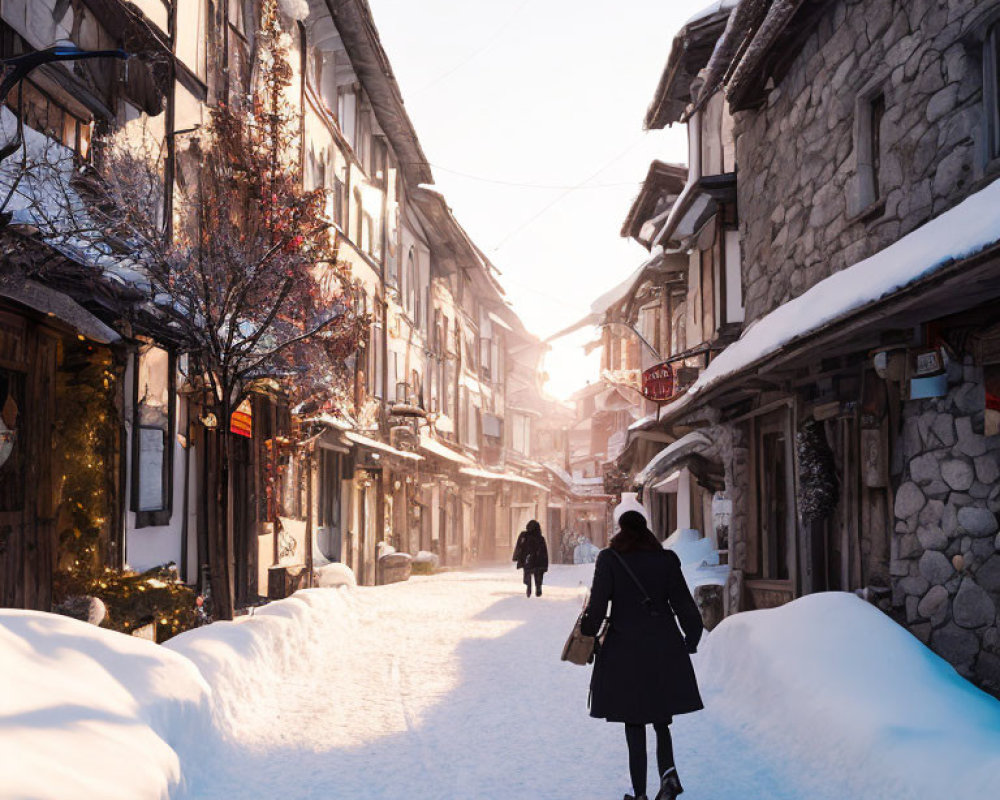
(357, 30)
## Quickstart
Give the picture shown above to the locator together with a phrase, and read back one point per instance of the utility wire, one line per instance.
(532, 185)
(544, 210)
(486, 46)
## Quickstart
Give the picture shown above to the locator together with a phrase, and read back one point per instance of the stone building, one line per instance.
(857, 411)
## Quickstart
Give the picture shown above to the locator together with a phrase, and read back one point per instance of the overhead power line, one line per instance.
(531, 185)
(562, 195)
(472, 56)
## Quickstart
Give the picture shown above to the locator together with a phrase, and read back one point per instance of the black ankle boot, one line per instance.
(670, 785)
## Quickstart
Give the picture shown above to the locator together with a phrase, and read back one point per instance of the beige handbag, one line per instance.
(581, 649)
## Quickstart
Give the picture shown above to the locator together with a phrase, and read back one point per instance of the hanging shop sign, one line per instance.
(928, 374)
(658, 382)
(241, 423)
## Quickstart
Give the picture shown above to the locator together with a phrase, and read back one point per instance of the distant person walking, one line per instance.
(532, 555)
(643, 673)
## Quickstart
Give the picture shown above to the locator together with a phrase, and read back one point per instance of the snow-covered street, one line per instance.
(451, 687)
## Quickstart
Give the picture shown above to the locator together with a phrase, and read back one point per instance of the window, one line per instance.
(368, 242)
(392, 388)
(877, 114)
(359, 219)
(363, 146)
(375, 362)
(192, 35)
(471, 423)
(347, 112)
(43, 112)
(471, 349)
(868, 140)
(486, 356)
(410, 293)
(331, 476)
(991, 90)
(521, 434)
(380, 161)
(152, 436)
(336, 200)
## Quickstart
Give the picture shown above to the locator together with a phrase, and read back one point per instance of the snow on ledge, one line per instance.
(962, 231)
(831, 682)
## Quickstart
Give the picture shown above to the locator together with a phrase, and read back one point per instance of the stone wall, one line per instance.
(946, 550)
(797, 157)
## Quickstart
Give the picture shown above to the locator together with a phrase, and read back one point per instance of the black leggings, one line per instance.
(635, 735)
(539, 574)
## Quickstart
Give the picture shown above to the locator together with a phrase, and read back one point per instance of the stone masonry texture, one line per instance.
(797, 155)
(946, 583)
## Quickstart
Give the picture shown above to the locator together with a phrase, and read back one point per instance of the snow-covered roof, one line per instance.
(510, 477)
(45, 200)
(374, 444)
(49, 301)
(434, 447)
(960, 232)
(643, 423)
(620, 292)
(669, 455)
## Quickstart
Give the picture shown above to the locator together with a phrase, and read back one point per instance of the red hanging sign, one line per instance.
(241, 422)
(658, 383)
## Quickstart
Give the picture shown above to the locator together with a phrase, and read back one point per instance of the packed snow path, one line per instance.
(451, 687)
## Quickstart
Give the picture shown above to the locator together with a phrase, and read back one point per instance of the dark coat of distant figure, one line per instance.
(643, 673)
(531, 552)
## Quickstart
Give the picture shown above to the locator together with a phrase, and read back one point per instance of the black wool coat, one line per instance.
(531, 553)
(642, 672)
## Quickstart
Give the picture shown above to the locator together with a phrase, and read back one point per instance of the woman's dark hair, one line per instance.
(533, 526)
(634, 534)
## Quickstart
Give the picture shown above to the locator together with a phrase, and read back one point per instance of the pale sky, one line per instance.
(516, 102)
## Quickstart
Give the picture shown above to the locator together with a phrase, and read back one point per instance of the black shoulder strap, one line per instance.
(647, 601)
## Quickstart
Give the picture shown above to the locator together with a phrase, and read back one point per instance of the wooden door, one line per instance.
(771, 546)
(27, 509)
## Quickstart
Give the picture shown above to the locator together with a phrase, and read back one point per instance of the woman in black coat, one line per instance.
(532, 555)
(642, 673)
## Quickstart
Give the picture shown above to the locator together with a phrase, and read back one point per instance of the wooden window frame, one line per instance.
(871, 106)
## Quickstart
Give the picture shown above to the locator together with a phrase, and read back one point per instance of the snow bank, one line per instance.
(248, 662)
(831, 681)
(699, 558)
(81, 703)
(92, 703)
(334, 574)
(692, 548)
